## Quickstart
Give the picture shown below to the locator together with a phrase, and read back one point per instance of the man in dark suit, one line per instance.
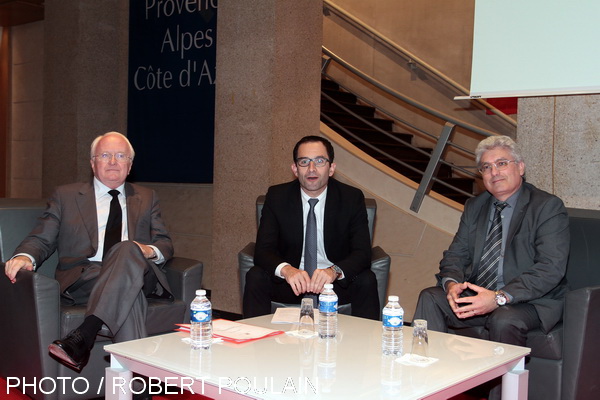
(523, 286)
(110, 266)
(343, 241)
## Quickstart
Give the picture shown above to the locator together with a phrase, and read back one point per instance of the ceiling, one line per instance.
(17, 12)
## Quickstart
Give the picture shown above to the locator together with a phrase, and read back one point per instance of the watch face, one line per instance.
(500, 299)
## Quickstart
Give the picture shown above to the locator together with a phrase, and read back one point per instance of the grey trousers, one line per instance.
(508, 324)
(115, 290)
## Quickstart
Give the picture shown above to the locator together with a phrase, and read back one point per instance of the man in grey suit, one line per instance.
(523, 286)
(111, 242)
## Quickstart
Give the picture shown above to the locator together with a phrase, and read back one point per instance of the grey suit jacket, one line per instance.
(70, 225)
(536, 250)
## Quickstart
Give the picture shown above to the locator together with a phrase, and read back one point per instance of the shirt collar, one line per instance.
(512, 200)
(306, 197)
(102, 190)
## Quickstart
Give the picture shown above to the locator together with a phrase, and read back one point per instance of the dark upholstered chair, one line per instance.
(380, 260)
(32, 316)
(564, 364)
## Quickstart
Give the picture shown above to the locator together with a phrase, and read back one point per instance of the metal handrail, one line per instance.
(406, 99)
(410, 57)
(442, 141)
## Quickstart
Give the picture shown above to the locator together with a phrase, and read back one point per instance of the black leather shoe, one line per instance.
(71, 350)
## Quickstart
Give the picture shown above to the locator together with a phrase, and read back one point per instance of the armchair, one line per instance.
(33, 317)
(564, 362)
(380, 260)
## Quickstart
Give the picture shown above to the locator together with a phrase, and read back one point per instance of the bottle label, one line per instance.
(201, 316)
(393, 321)
(328, 306)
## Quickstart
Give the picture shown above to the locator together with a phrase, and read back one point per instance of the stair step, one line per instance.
(444, 171)
(329, 84)
(342, 97)
(350, 121)
(362, 110)
(372, 136)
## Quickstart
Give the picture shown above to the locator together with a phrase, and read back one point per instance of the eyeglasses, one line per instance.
(107, 157)
(500, 166)
(305, 161)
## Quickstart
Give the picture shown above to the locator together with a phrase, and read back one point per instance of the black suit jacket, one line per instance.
(536, 250)
(70, 225)
(345, 229)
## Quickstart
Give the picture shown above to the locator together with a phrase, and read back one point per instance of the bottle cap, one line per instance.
(393, 298)
(200, 292)
(328, 286)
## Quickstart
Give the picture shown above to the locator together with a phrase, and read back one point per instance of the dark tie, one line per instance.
(112, 234)
(310, 243)
(488, 275)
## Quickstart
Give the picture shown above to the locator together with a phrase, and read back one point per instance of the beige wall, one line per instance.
(26, 105)
(560, 138)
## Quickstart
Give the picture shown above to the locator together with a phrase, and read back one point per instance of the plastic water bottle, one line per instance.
(328, 305)
(393, 320)
(201, 321)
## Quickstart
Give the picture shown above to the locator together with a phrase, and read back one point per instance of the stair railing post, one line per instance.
(324, 64)
(432, 167)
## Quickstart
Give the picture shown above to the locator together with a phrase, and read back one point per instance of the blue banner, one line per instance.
(171, 100)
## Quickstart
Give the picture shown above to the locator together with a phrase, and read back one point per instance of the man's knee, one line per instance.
(503, 319)
(366, 279)
(431, 295)
(256, 278)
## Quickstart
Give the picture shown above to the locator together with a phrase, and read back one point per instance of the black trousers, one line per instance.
(262, 288)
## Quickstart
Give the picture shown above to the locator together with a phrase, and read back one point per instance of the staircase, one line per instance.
(417, 160)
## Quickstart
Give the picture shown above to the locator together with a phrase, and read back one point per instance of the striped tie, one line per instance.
(488, 275)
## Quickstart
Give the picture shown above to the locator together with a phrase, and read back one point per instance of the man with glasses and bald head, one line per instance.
(505, 268)
(111, 243)
(313, 230)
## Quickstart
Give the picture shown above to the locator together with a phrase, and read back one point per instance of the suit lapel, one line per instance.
(86, 203)
(332, 208)
(518, 213)
(133, 209)
(481, 231)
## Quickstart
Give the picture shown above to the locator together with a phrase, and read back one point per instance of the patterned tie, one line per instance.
(112, 234)
(488, 275)
(310, 243)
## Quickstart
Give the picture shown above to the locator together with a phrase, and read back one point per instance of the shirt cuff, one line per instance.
(446, 280)
(28, 256)
(279, 268)
(159, 256)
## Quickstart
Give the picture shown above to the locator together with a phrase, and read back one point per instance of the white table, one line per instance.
(287, 367)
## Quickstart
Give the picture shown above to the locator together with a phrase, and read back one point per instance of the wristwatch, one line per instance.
(337, 270)
(501, 298)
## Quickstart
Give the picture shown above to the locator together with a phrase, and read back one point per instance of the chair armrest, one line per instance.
(30, 315)
(245, 262)
(380, 265)
(581, 348)
(185, 277)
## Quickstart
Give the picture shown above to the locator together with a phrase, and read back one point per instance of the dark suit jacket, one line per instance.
(345, 229)
(535, 257)
(70, 225)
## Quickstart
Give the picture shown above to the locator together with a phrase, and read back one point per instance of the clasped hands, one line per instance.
(301, 282)
(482, 303)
